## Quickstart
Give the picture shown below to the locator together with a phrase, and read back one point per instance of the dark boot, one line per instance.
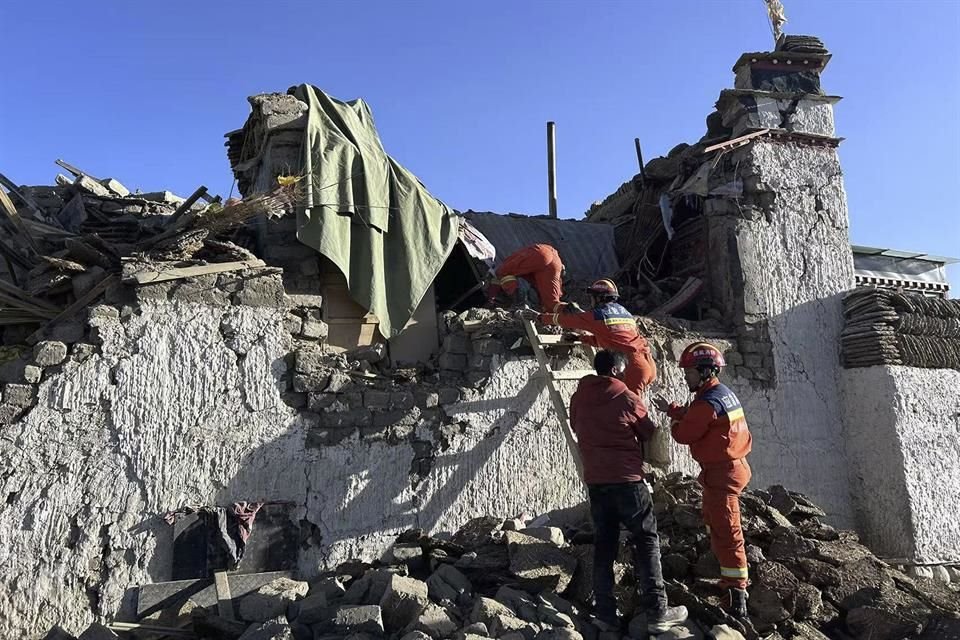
(738, 603)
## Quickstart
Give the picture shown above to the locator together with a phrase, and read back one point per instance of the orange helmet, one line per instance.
(701, 354)
(604, 287)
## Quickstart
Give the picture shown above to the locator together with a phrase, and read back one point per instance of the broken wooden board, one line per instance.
(224, 599)
(74, 308)
(177, 273)
(11, 212)
(163, 595)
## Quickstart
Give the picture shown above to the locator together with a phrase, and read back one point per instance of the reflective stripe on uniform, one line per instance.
(613, 321)
(736, 414)
(733, 572)
(506, 279)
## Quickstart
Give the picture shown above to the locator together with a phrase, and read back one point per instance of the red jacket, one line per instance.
(610, 422)
(614, 328)
(713, 425)
(540, 265)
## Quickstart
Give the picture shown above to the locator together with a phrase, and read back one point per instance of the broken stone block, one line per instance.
(10, 413)
(68, 332)
(504, 624)
(271, 600)
(374, 399)
(270, 630)
(486, 609)
(97, 631)
(314, 327)
(766, 605)
(452, 362)
(116, 187)
(520, 602)
(688, 630)
(476, 532)
(476, 629)
(32, 374)
(293, 324)
(407, 553)
(808, 602)
(88, 184)
(403, 600)
(542, 562)
(369, 588)
(372, 353)
(415, 635)
(707, 566)
(448, 395)
(675, 566)
(262, 291)
(725, 632)
(311, 610)
(559, 634)
(19, 395)
(552, 535)
(358, 618)
(434, 621)
(456, 343)
(447, 583)
(49, 352)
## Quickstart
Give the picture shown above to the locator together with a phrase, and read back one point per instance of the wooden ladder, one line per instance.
(539, 341)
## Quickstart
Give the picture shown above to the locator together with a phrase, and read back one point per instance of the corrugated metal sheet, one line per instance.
(586, 248)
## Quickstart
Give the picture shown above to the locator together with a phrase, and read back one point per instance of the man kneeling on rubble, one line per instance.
(716, 430)
(610, 422)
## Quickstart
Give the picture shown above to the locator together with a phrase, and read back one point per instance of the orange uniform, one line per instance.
(614, 328)
(538, 264)
(716, 430)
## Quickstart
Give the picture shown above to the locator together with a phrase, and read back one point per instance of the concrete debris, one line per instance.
(809, 581)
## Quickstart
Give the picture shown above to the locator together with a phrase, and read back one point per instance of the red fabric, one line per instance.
(722, 485)
(625, 338)
(712, 435)
(540, 265)
(610, 422)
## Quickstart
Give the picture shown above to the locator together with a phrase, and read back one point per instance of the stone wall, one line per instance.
(188, 403)
(903, 441)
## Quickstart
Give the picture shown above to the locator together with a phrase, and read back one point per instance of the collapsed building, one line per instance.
(311, 360)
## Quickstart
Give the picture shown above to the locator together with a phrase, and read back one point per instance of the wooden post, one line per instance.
(552, 167)
(643, 174)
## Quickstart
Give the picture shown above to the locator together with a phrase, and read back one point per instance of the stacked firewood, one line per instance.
(885, 327)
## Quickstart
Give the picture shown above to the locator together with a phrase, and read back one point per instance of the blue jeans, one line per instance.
(628, 504)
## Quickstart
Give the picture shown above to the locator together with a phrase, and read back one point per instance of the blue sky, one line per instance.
(143, 91)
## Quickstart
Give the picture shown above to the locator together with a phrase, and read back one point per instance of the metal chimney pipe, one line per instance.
(552, 167)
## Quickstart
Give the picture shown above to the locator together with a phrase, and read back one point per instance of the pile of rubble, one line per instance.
(63, 246)
(518, 579)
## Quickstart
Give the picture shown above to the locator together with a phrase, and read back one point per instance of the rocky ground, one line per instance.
(519, 579)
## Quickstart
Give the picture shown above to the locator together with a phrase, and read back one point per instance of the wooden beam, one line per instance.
(178, 273)
(14, 216)
(76, 307)
(736, 142)
(17, 292)
(74, 170)
(183, 208)
(131, 627)
(224, 599)
(8, 183)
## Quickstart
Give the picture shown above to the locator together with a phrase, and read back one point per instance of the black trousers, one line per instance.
(628, 504)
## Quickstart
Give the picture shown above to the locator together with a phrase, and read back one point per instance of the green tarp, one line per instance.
(369, 215)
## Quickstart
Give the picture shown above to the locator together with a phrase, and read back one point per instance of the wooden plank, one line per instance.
(736, 142)
(11, 212)
(9, 184)
(76, 307)
(183, 208)
(72, 169)
(177, 273)
(17, 292)
(131, 627)
(224, 599)
(555, 396)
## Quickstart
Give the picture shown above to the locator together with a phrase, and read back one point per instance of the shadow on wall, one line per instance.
(354, 495)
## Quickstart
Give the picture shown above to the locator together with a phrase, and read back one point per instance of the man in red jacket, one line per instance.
(538, 264)
(610, 423)
(611, 326)
(716, 430)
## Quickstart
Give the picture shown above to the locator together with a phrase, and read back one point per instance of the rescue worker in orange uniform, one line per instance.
(614, 328)
(538, 264)
(716, 430)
